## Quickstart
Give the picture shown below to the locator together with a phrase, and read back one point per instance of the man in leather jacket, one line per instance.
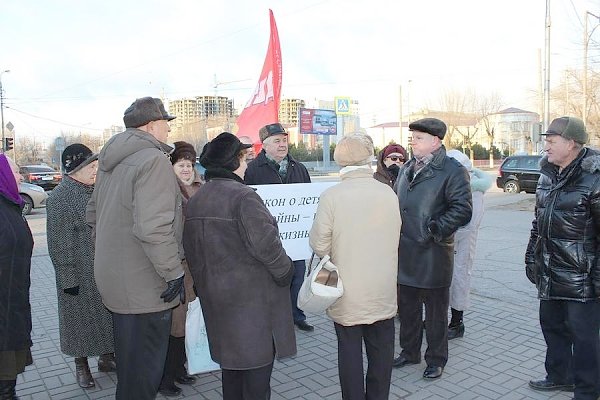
(435, 200)
(562, 260)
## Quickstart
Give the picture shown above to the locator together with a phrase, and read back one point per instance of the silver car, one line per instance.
(33, 195)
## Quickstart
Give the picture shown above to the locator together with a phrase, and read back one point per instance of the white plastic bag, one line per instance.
(315, 296)
(196, 341)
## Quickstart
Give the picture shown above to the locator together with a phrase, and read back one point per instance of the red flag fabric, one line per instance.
(263, 106)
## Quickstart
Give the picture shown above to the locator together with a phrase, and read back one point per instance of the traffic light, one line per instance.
(9, 143)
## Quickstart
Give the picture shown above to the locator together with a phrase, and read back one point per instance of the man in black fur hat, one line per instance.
(562, 260)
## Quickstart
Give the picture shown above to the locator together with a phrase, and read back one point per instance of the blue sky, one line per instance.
(76, 65)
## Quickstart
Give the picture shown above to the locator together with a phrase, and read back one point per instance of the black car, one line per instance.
(519, 173)
(41, 175)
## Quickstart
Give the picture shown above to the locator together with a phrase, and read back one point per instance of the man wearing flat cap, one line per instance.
(562, 260)
(435, 200)
(137, 216)
(274, 165)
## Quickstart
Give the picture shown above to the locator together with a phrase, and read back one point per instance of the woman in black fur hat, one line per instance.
(241, 272)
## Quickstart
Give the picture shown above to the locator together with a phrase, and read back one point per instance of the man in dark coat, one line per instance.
(274, 165)
(435, 200)
(562, 260)
(241, 273)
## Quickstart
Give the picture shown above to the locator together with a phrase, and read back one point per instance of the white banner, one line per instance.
(294, 206)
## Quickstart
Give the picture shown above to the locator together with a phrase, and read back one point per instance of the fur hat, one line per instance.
(433, 126)
(183, 151)
(354, 149)
(270, 130)
(569, 128)
(461, 158)
(144, 110)
(395, 148)
(222, 152)
(76, 156)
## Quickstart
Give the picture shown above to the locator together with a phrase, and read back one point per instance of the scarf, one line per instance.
(280, 166)
(8, 184)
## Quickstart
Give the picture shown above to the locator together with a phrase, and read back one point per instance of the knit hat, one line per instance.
(76, 156)
(569, 128)
(222, 152)
(183, 151)
(395, 148)
(354, 149)
(145, 110)
(461, 158)
(270, 130)
(433, 126)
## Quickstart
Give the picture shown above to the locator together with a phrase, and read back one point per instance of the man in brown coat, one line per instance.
(136, 212)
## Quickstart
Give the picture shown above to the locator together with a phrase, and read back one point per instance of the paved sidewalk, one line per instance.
(503, 347)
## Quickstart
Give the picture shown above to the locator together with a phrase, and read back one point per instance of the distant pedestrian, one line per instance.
(389, 161)
(435, 200)
(358, 224)
(274, 165)
(16, 246)
(136, 212)
(562, 260)
(183, 159)
(241, 272)
(85, 325)
(465, 243)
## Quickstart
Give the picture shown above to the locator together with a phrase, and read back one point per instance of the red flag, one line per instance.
(263, 106)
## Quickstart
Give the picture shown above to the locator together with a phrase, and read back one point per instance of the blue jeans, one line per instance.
(299, 272)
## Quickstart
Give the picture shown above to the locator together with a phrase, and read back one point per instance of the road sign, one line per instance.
(342, 105)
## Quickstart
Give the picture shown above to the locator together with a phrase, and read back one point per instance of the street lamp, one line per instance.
(586, 41)
(2, 109)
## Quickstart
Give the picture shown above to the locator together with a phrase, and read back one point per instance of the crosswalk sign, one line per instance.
(342, 105)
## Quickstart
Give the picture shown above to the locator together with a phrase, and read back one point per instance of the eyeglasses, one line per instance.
(394, 158)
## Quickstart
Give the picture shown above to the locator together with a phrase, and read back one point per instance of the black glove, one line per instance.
(531, 272)
(394, 169)
(434, 229)
(73, 291)
(175, 287)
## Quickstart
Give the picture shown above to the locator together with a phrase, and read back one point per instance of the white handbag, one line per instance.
(321, 288)
(196, 341)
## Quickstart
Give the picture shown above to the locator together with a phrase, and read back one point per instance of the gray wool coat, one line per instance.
(85, 324)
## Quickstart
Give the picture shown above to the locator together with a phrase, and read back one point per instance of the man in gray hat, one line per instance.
(435, 200)
(136, 213)
(562, 260)
(274, 165)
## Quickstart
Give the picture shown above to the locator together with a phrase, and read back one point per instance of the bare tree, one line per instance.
(457, 105)
(485, 107)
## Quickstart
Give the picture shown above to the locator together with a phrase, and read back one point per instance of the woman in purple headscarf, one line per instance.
(16, 245)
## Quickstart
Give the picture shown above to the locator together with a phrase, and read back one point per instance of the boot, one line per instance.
(107, 363)
(83, 374)
(7, 390)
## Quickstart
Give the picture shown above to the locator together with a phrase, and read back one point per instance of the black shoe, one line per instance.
(304, 326)
(456, 331)
(401, 361)
(169, 391)
(185, 379)
(545, 385)
(432, 372)
(107, 363)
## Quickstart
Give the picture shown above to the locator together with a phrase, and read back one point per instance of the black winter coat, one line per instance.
(433, 206)
(563, 253)
(16, 246)
(241, 273)
(261, 172)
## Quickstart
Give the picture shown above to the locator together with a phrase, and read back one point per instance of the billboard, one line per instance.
(317, 122)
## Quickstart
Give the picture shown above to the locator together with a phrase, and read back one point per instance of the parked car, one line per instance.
(519, 173)
(41, 175)
(33, 195)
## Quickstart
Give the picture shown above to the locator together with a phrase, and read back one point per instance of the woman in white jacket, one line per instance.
(358, 224)
(465, 241)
